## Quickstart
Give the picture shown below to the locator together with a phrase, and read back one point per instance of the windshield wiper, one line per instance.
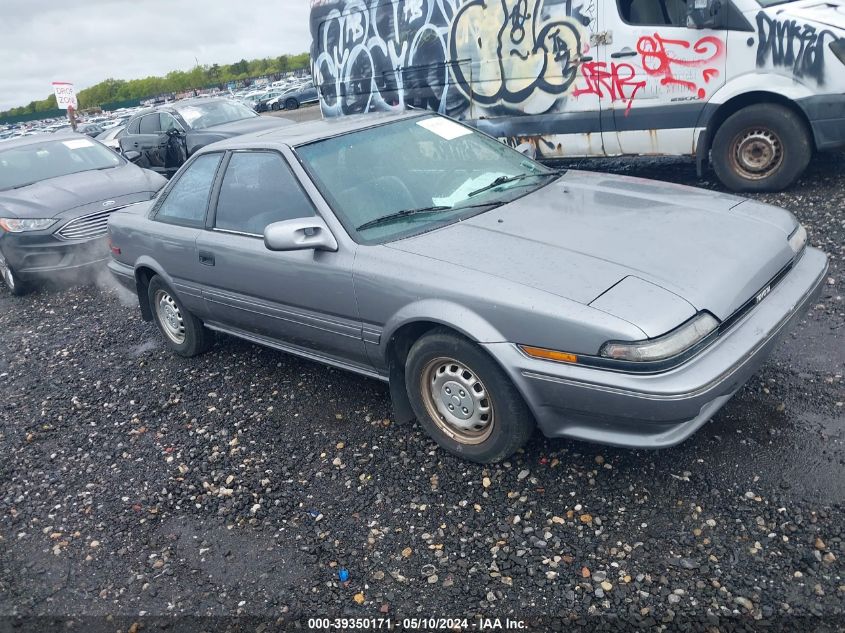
(503, 180)
(404, 213)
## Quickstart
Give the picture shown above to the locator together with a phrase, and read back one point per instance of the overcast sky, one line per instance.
(86, 41)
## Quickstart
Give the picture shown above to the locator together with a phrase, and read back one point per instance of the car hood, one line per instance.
(247, 126)
(830, 13)
(58, 197)
(586, 232)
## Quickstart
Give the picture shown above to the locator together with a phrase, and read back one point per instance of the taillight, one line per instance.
(115, 250)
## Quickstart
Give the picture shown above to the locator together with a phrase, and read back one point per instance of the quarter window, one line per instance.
(187, 201)
(259, 189)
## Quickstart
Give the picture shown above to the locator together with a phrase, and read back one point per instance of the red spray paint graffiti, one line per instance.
(660, 59)
(617, 83)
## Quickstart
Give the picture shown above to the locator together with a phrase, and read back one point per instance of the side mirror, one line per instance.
(704, 14)
(298, 235)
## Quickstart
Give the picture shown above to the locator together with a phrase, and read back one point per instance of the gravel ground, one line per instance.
(137, 484)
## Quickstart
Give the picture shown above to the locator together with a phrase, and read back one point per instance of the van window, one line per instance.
(654, 12)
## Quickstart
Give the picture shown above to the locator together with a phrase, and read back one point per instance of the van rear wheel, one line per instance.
(762, 147)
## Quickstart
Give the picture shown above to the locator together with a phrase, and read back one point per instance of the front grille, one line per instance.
(87, 226)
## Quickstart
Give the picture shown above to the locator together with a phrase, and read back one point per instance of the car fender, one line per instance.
(145, 261)
(443, 312)
(448, 313)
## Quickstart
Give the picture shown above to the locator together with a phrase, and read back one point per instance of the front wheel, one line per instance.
(183, 332)
(763, 147)
(275, 106)
(464, 400)
(17, 287)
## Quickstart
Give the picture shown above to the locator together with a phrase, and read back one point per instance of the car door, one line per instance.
(179, 217)
(150, 141)
(309, 94)
(304, 299)
(661, 72)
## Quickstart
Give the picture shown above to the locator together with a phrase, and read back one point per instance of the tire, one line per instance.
(275, 106)
(444, 369)
(763, 147)
(291, 104)
(17, 287)
(182, 331)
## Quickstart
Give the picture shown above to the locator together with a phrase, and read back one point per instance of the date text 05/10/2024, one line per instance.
(415, 624)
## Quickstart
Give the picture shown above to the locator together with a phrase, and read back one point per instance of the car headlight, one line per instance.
(662, 347)
(15, 225)
(798, 239)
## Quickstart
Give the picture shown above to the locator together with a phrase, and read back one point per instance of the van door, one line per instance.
(659, 72)
(516, 64)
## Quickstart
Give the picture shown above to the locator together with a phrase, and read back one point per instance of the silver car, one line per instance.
(492, 293)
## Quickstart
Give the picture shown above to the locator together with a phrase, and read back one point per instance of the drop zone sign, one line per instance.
(65, 95)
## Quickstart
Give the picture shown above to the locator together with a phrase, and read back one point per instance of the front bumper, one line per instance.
(826, 114)
(40, 255)
(662, 409)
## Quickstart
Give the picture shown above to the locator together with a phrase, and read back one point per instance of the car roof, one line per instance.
(35, 139)
(172, 105)
(317, 130)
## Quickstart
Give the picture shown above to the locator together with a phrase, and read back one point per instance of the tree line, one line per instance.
(115, 90)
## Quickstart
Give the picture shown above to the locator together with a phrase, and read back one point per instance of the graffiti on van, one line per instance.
(502, 56)
(663, 57)
(790, 44)
(617, 82)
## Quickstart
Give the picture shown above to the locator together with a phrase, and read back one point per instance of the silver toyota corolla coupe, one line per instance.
(492, 293)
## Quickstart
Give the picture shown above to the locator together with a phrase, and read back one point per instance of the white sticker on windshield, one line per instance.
(78, 143)
(444, 128)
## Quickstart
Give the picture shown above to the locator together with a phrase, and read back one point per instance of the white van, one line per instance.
(752, 86)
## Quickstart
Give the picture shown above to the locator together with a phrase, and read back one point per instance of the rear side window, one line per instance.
(259, 189)
(150, 124)
(134, 126)
(187, 201)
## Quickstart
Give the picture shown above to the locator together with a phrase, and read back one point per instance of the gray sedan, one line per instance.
(56, 194)
(492, 293)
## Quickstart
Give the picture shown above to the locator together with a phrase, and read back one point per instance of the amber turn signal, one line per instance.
(549, 354)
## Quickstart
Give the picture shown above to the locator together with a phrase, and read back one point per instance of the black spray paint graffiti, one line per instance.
(790, 44)
(509, 54)
(446, 55)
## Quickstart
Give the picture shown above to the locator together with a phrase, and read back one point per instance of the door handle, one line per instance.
(206, 258)
(625, 52)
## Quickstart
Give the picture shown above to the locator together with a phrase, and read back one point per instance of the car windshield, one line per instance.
(413, 175)
(204, 115)
(22, 166)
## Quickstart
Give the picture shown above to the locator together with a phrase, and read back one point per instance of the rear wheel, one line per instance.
(291, 104)
(763, 147)
(183, 332)
(12, 281)
(464, 400)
